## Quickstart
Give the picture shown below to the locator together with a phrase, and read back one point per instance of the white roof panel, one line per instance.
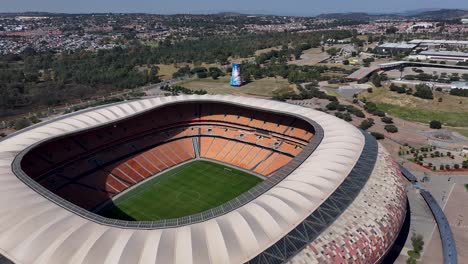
(53, 234)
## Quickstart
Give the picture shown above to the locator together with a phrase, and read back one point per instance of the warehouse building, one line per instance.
(441, 56)
(396, 47)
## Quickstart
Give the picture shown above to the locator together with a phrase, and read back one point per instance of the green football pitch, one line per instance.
(188, 189)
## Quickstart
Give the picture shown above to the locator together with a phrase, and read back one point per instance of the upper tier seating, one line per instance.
(105, 161)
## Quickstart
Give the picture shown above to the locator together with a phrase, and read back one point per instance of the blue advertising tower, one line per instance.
(236, 80)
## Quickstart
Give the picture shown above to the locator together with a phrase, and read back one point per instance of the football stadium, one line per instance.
(198, 179)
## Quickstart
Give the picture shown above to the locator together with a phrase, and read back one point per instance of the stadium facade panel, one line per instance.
(344, 162)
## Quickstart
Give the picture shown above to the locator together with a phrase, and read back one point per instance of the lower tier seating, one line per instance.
(104, 183)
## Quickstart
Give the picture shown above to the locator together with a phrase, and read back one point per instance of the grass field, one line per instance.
(261, 87)
(425, 116)
(191, 188)
(451, 111)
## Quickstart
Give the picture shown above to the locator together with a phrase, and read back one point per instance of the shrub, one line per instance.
(34, 120)
(398, 89)
(344, 116)
(434, 124)
(456, 166)
(332, 106)
(341, 108)
(202, 75)
(370, 107)
(379, 113)
(459, 92)
(418, 243)
(355, 111)
(413, 254)
(378, 136)
(387, 120)
(366, 124)
(465, 164)
(21, 123)
(391, 129)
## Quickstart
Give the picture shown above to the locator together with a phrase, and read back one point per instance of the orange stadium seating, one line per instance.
(105, 161)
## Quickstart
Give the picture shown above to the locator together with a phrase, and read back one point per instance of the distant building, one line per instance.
(441, 56)
(464, 21)
(421, 25)
(396, 47)
(348, 51)
(459, 85)
(439, 43)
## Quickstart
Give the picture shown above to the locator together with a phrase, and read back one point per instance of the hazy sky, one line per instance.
(286, 7)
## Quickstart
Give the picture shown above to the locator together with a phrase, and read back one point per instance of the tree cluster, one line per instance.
(400, 89)
(372, 109)
(177, 89)
(459, 92)
(418, 244)
(423, 91)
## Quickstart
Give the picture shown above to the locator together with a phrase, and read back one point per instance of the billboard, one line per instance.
(236, 80)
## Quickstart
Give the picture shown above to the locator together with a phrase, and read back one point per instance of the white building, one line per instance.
(440, 43)
(421, 25)
(441, 56)
(459, 85)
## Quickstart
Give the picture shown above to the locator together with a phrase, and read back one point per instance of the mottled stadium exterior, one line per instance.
(340, 199)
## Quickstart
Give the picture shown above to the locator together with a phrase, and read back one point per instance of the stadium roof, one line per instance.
(38, 230)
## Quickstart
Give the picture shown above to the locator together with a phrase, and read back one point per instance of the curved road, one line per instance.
(448, 242)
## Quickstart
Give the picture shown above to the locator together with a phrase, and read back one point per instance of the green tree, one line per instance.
(332, 51)
(465, 164)
(366, 124)
(376, 80)
(391, 129)
(434, 124)
(215, 73)
(378, 136)
(423, 91)
(387, 120)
